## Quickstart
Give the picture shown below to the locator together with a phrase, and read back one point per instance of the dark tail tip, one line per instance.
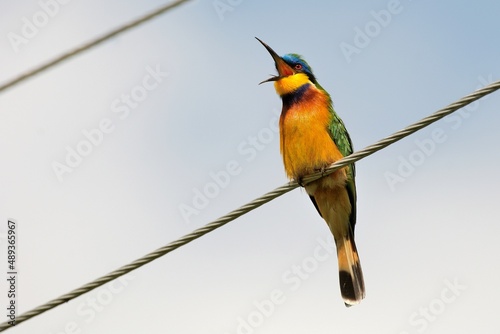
(347, 286)
(351, 288)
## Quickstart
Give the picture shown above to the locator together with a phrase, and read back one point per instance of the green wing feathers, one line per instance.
(340, 136)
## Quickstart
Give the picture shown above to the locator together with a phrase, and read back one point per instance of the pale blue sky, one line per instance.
(428, 242)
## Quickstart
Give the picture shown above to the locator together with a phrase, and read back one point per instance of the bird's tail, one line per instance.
(352, 285)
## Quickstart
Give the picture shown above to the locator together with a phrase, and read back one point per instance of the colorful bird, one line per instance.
(312, 136)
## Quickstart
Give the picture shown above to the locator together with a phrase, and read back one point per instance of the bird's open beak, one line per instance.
(283, 68)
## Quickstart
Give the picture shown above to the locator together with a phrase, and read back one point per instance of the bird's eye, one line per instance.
(298, 67)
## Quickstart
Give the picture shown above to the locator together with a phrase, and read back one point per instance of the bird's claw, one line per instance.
(300, 181)
(322, 170)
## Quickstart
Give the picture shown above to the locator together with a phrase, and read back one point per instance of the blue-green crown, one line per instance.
(294, 59)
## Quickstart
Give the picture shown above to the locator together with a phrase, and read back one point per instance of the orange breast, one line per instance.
(305, 142)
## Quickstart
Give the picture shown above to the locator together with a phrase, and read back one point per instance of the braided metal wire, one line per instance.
(88, 45)
(256, 203)
(358, 155)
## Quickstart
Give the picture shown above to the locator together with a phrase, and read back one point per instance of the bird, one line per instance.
(313, 136)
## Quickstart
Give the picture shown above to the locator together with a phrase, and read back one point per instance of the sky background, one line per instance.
(428, 214)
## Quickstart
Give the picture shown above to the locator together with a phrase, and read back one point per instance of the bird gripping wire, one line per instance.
(257, 203)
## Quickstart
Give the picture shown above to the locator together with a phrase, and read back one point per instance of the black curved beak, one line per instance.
(283, 68)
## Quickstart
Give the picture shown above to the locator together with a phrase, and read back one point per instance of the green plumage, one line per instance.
(340, 136)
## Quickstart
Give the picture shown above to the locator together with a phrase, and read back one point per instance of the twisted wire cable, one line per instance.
(256, 203)
(406, 131)
(92, 43)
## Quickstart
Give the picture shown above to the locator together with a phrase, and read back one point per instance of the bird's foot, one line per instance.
(300, 181)
(321, 170)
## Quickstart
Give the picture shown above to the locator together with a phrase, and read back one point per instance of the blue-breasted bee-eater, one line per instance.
(312, 136)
